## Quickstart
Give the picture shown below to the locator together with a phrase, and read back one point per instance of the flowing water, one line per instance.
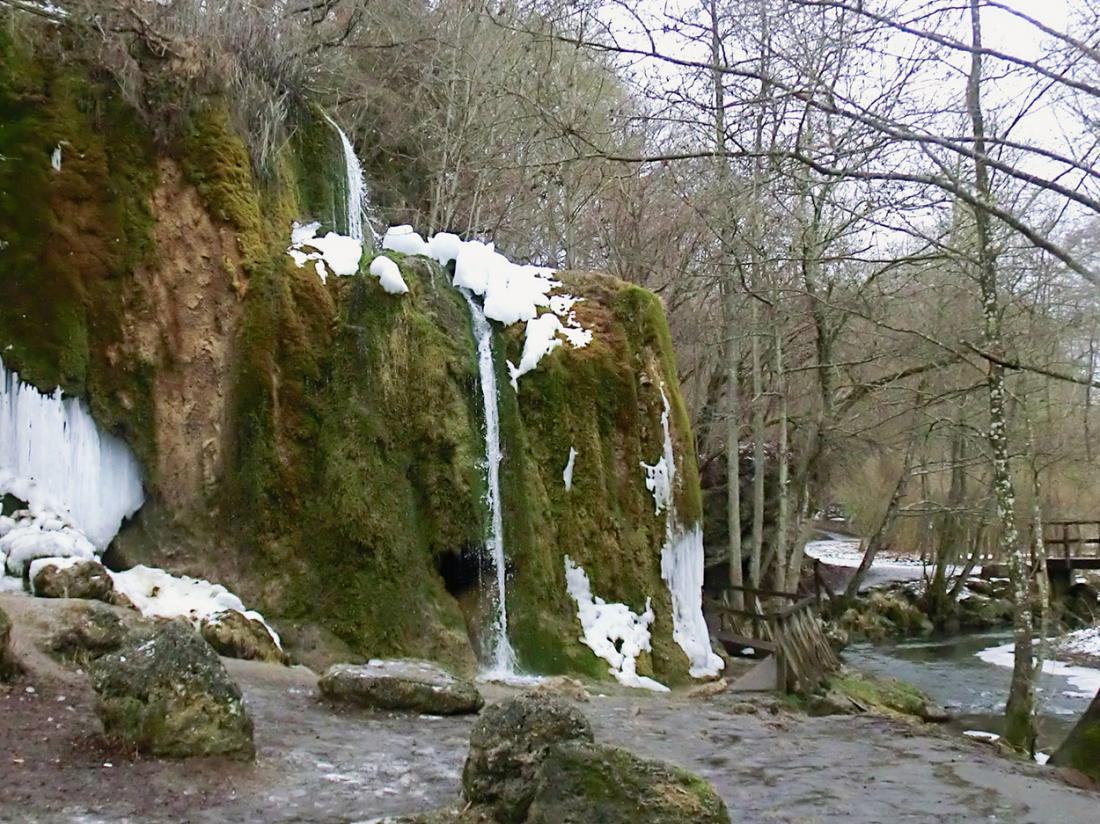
(950, 671)
(355, 186)
(501, 658)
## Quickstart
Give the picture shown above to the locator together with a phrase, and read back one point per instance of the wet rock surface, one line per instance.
(235, 635)
(404, 685)
(166, 693)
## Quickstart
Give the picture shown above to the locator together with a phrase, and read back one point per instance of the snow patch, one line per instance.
(1085, 679)
(333, 253)
(389, 275)
(567, 473)
(159, 594)
(612, 631)
(55, 158)
(404, 239)
(538, 342)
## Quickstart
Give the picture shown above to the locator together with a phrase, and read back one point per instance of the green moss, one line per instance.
(315, 152)
(70, 237)
(887, 694)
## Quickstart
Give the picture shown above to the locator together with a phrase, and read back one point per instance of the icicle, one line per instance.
(54, 457)
(503, 657)
(358, 201)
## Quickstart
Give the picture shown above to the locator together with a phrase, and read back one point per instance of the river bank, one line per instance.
(318, 764)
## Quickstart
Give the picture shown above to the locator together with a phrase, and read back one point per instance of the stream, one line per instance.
(950, 670)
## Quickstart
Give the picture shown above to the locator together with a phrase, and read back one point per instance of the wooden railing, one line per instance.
(1070, 540)
(791, 631)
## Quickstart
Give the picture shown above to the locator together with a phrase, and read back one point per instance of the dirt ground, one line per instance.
(318, 764)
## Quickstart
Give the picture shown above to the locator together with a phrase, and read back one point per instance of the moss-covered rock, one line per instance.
(1081, 749)
(581, 783)
(235, 635)
(86, 631)
(507, 746)
(83, 579)
(404, 685)
(7, 661)
(167, 693)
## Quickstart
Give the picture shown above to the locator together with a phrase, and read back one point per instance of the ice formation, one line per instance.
(502, 656)
(73, 477)
(567, 473)
(612, 631)
(389, 275)
(510, 292)
(158, 594)
(681, 562)
(55, 158)
(333, 253)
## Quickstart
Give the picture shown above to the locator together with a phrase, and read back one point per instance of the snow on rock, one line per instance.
(55, 158)
(510, 292)
(681, 562)
(79, 483)
(404, 239)
(567, 473)
(333, 253)
(540, 340)
(389, 275)
(45, 535)
(982, 735)
(612, 631)
(1082, 642)
(159, 594)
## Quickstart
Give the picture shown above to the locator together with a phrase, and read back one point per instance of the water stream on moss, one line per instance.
(501, 656)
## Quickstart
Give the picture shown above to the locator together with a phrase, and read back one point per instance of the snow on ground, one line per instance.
(982, 735)
(511, 292)
(333, 253)
(1084, 679)
(1082, 642)
(612, 631)
(159, 594)
(842, 551)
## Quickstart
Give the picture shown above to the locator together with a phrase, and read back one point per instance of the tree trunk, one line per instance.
(1020, 709)
(1081, 749)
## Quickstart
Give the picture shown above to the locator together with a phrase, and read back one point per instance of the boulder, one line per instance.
(507, 746)
(166, 692)
(982, 612)
(564, 686)
(87, 631)
(67, 578)
(235, 635)
(579, 783)
(402, 684)
(8, 666)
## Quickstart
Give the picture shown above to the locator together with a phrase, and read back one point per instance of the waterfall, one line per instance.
(356, 185)
(54, 457)
(502, 657)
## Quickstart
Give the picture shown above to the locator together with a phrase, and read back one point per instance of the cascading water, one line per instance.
(502, 658)
(356, 184)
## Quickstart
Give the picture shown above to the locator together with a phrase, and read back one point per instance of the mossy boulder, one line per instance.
(82, 579)
(404, 685)
(1081, 749)
(507, 746)
(166, 693)
(578, 783)
(233, 634)
(87, 631)
(982, 612)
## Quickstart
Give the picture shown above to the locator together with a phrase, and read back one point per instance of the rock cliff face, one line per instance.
(318, 447)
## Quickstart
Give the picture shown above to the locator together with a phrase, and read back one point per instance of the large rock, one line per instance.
(167, 693)
(1081, 749)
(87, 631)
(235, 635)
(403, 684)
(7, 662)
(579, 783)
(65, 578)
(508, 744)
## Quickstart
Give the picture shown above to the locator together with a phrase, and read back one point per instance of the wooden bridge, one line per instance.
(1072, 545)
(785, 637)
